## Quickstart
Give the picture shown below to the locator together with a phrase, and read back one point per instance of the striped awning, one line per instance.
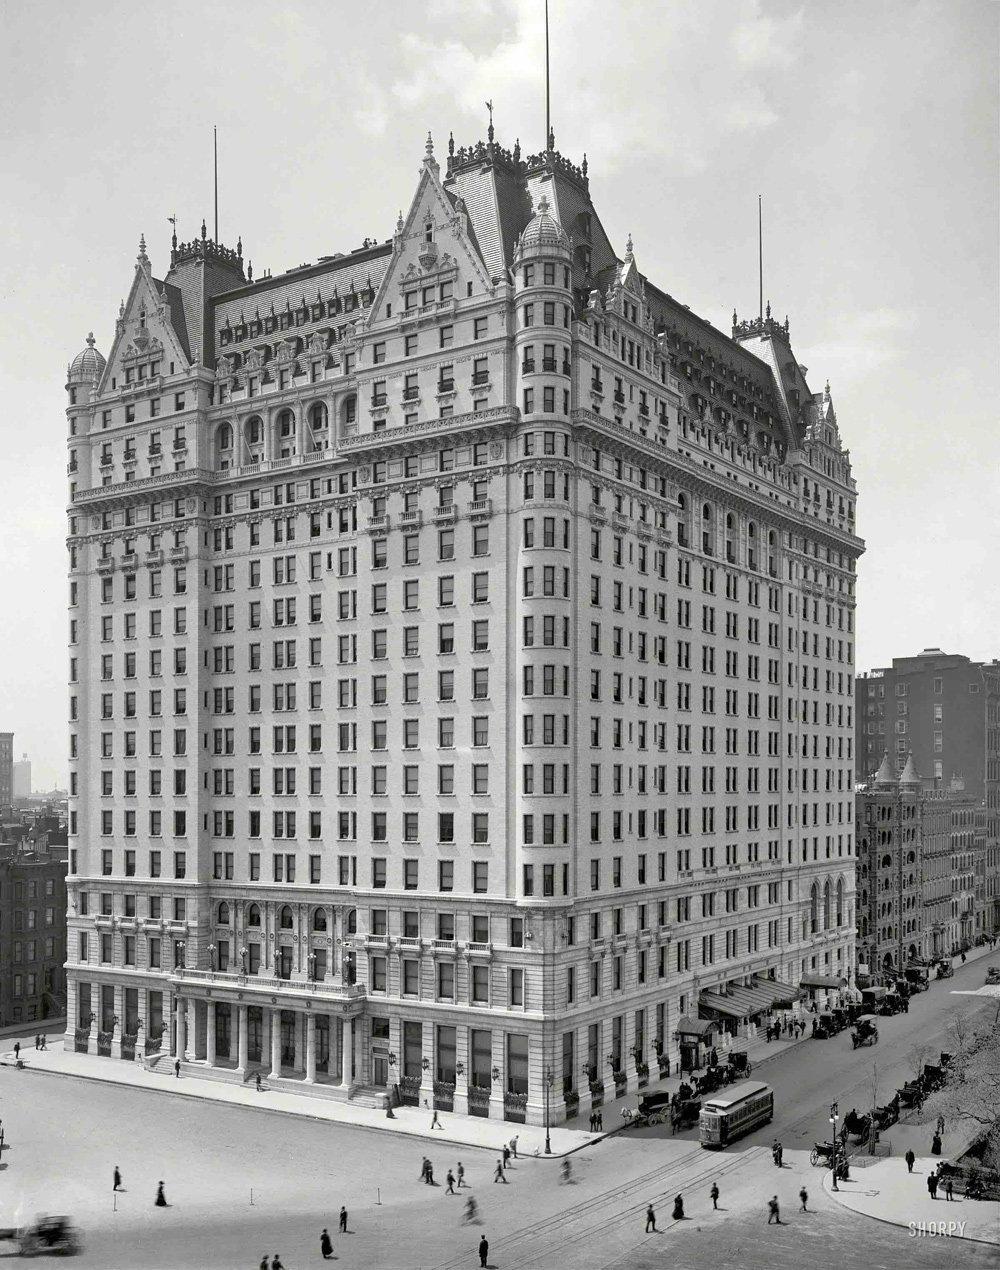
(777, 991)
(737, 1003)
(694, 1027)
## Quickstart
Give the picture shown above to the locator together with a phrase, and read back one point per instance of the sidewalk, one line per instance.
(888, 1193)
(471, 1131)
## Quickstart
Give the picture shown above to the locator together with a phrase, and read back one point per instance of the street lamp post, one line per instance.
(834, 1117)
(549, 1081)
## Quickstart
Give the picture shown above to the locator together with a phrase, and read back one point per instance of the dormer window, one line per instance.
(429, 232)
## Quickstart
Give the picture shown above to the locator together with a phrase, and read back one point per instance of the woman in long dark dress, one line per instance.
(161, 1199)
(678, 1208)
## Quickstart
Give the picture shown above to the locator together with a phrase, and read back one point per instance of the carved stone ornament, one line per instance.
(496, 450)
(365, 475)
(274, 1000)
(95, 522)
(192, 504)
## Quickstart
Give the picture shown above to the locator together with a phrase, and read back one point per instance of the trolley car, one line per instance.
(734, 1111)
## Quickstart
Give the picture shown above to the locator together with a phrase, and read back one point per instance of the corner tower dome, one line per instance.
(89, 364)
(543, 236)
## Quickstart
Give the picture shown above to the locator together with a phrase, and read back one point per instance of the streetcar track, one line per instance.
(662, 1181)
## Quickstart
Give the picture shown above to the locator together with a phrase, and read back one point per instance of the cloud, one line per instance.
(664, 106)
(871, 340)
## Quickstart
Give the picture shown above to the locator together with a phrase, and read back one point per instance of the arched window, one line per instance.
(352, 921)
(319, 919)
(827, 903)
(814, 909)
(285, 919)
(253, 915)
(223, 918)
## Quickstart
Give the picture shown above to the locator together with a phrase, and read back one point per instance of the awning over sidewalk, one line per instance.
(779, 993)
(822, 981)
(737, 1003)
(695, 1027)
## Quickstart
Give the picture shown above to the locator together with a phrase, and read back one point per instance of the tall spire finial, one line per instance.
(628, 248)
(142, 249)
(239, 246)
(250, 271)
(90, 339)
(768, 309)
(489, 131)
(548, 111)
(429, 147)
(451, 144)
(204, 229)
(173, 237)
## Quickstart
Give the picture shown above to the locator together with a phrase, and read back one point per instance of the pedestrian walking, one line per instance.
(910, 1159)
(161, 1199)
(713, 1058)
(936, 1144)
(343, 1220)
(449, 1177)
(773, 1214)
(430, 1173)
(714, 1194)
(423, 1168)
(17, 1050)
(498, 1174)
(567, 1170)
(435, 1122)
(470, 1210)
(484, 1249)
(949, 1187)
(804, 1196)
(600, 1122)
(932, 1184)
(650, 1219)
(776, 1153)
(513, 1146)
(940, 1124)
(258, 1082)
(276, 1263)
(177, 1068)
(506, 1156)
(460, 1170)
(678, 1208)
(264, 1263)
(118, 1180)
(326, 1244)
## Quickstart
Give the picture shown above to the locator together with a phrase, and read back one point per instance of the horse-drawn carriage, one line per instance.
(933, 1077)
(911, 1094)
(887, 1115)
(822, 1153)
(653, 1109)
(857, 1127)
(684, 1113)
(865, 1031)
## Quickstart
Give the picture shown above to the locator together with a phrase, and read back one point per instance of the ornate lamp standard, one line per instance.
(834, 1117)
(549, 1079)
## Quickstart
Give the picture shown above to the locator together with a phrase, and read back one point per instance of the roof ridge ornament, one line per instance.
(143, 258)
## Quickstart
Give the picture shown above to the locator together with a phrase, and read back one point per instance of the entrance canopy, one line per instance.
(695, 1027)
(822, 981)
(737, 1003)
(778, 992)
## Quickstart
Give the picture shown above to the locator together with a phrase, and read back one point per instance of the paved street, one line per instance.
(64, 1137)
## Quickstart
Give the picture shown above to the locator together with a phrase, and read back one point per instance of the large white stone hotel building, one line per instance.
(461, 660)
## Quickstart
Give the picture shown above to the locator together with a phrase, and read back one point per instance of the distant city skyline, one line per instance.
(871, 133)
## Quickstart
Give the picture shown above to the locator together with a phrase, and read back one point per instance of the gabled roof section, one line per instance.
(145, 325)
(419, 251)
(488, 180)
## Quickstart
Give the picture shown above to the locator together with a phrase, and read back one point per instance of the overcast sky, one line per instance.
(869, 126)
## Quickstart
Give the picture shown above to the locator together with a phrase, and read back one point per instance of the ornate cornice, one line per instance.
(481, 422)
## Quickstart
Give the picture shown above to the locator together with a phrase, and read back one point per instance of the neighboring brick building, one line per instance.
(6, 769)
(32, 935)
(462, 640)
